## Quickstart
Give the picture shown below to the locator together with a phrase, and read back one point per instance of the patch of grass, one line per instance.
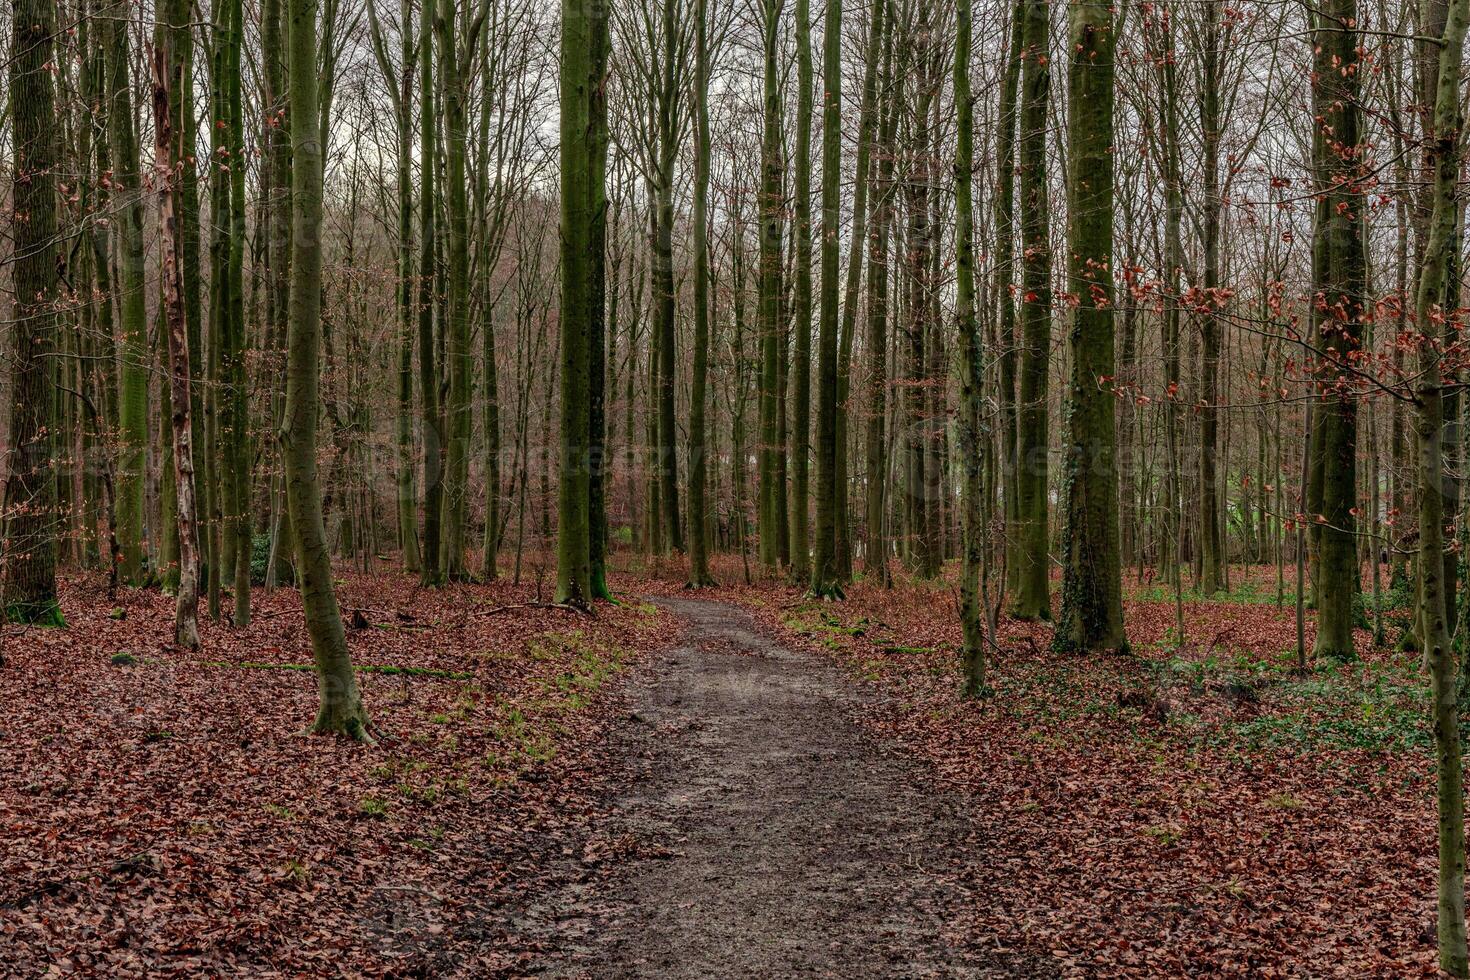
(1245, 593)
(372, 808)
(123, 659)
(280, 812)
(1284, 801)
(1166, 834)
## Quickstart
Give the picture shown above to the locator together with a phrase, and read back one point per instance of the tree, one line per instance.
(972, 362)
(1339, 303)
(826, 580)
(167, 75)
(453, 59)
(340, 709)
(771, 515)
(237, 452)
(861, 206)
(1211, 551)
(1442, 154)
(799, 498)
(585, 40)
(876, 335)
(1005, 290)
(399, 84)
(699, 573)
(1092, 593)
(30, 491)
(432, 423)
(1032, 598)
(135, 358)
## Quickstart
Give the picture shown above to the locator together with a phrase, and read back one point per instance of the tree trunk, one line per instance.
(583, 212)
(1442, 153)
(1341, 297)
(340, 709)
(699, 574)
(1032, 598)
(30, 489)
(826, 580)
(458, 358)
(1092, 599)
(771, 476)
(167, 74)
(972, 621)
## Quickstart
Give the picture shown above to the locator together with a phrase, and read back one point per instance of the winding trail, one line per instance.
(775, 839)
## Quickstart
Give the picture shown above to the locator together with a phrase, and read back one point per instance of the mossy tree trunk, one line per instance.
(699, 573)
(1340, 295)
(583, 214)
(30, 491)
(1032, 599)
(340, 709)
(826, 580)
(136, 357)
(1092, 596)
(1443, 155)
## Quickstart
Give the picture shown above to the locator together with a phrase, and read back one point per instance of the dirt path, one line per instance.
(773, 838)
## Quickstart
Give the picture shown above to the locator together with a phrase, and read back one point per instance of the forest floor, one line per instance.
(744, 783)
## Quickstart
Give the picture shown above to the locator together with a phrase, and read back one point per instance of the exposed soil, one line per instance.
(762, 833)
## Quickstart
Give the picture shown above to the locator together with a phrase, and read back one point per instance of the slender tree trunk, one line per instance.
(1006, 295)
(876, 546)
(1032, 596)
(238, 452)
(972, 620)
(826, 577)
(1442, 154)
(1211, 557)
(340, 710)
(771, 205)
(699, 574)
(135, 356)
(167, 75)
(431, 427)
(867, 133)
(799, 500)
(459, 360)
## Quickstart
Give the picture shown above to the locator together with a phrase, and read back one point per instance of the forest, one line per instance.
(739, 488)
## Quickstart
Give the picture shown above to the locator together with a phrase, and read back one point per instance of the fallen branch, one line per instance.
(569, 607)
